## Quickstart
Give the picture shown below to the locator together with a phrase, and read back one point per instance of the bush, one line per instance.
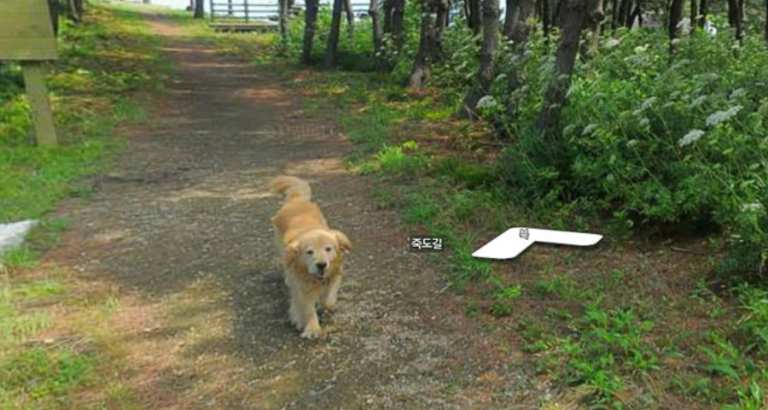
(648, 142)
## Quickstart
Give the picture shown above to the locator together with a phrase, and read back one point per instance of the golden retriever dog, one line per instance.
(312, 253)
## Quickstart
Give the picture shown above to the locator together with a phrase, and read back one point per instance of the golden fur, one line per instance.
(312, 253)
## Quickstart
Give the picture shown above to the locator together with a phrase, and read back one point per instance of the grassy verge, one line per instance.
(56, 348)
(104, 62)
(632, 324)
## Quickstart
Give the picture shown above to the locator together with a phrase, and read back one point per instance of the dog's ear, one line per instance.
(343, 241)
(292, 251)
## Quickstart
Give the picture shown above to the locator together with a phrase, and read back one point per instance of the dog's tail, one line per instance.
(291, 187)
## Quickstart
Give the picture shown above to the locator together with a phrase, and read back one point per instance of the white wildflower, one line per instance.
(722, 116)
(737, 93)
(691, 137)
(486, 102)
(698, 101)
(588, 129)
(648, 103)
(753, 207)
(612, 43)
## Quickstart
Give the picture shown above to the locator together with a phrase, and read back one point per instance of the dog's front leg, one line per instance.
(312, 324)
(332, 295)
(303, 314)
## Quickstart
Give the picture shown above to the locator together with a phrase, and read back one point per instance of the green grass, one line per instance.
(108, 63)
(105, 60)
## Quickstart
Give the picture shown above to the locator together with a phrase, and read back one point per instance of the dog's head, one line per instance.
(319, 251)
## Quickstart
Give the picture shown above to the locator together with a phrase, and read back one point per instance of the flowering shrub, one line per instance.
(652, 140)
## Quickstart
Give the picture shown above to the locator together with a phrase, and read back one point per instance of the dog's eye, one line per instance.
(328, 249)
(310, 252)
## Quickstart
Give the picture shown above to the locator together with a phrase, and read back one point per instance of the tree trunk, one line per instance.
(694, 16)
(284, 11)
(199, 9)
(488, 57)
(53, 9)
(675, 15)
(575, 16)
(545, 18)
(765, 29)
(703, 10)
(517, 13)
(429, 44)
(389, 5)
(626, 18)
(556, 15)
(77, 10)
(735, 19)
(614, 15)
(636, 15)
(398, 23)
(525, 9)
(333, 35)
(310, 27)
(373, 11)
(350, 19)
(443, 15)
(595, 18)
(474, 19)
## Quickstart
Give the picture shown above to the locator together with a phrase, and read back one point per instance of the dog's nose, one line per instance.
(321, 265)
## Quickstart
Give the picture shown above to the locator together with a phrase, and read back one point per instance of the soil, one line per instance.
(180, 227)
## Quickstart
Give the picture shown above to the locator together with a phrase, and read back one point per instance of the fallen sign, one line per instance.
(26, 35)
(515, 240)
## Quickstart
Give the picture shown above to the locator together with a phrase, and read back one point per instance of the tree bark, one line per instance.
(558, 9)
(694, 16)
(517, 13)
(53, 9)
(637, 14)
(430, 48)
(703, 10)
(595, 18)
(546, 23)
(675, 15)
(575, 16)
(525, 9)
(625, 9)
(333, 35)
(77, 10)
(373, 11)
(398, 23)
(765, 29)
(350, 19)
(488, 56)
(389, 5)
(474, 20)
(284, 10)
(310, 27)
(735, 19)
(199, 9)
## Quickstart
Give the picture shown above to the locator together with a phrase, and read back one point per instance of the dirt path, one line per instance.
(181, 227)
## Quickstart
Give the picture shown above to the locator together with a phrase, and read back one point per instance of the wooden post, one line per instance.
(26, 35)
(34, 79)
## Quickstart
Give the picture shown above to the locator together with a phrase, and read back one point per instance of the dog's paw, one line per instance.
(312, 333)
(329, 303)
